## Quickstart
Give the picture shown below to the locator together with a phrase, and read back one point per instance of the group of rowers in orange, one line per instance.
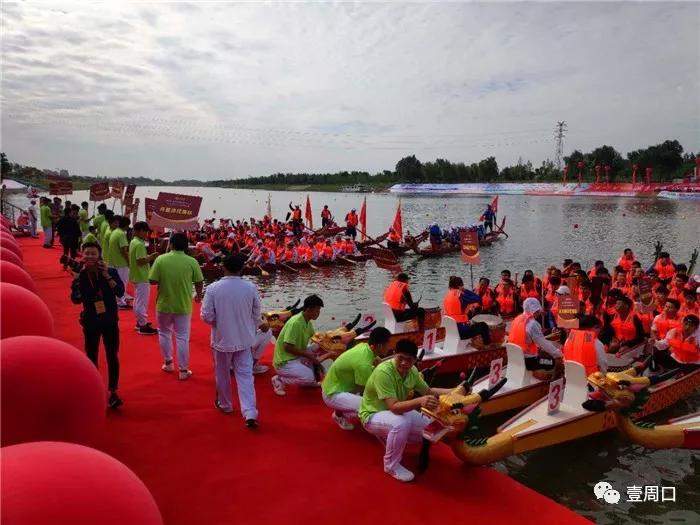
(615, 312)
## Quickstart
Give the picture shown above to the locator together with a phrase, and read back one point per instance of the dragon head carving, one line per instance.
(276, 318)
(336, 341)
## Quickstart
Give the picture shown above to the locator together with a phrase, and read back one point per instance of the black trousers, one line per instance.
(409, 313)
(70, 246)
(351, 231)
(109, 332)
(469, 330)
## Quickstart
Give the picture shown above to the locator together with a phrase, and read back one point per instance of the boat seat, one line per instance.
(453, 344)
(516, 373)
(391, 324)
(576, 389)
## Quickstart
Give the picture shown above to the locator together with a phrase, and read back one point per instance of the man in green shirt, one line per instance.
(389, 411)
(118, 250)
(83, 218)
(105, 231)
(139, 266)
(90, 236)
(293, 362)
(46, 222)
(175, 272)
(99, 219)
(346, 379)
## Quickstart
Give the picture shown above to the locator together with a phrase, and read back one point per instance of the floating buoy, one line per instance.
(332, 318)
(575, 226)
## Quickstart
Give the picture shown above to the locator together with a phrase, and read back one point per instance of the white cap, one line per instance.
(563, 290)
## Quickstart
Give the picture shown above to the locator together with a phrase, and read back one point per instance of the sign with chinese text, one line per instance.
(176, 211)
(99, 191)
(469, 241)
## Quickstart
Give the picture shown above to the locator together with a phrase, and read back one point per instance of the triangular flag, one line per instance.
(398, 223)
(363, 219)
(308, 215)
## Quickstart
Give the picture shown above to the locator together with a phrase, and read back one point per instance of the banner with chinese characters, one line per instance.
(568, 312)
(99, 191)
(60, 186)
(117, 189)
(150, 206)
(469, 241)
(176, 211)
(129, 194)
(131, 207)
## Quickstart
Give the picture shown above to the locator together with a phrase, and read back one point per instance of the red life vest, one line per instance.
(296, 214)
(685, 310)
(486, 298)
(394, 237)
(624, 330)
(352, 219)
(326, 213)
(348, 247)
(518, 335)
(288, 254)
(506, 302)
(580, 347)
(453, 306)
(531, 292)
(394, 295)
(327, 251)
(664, 324)
(625, 263)
(665, 272)
(684, 350)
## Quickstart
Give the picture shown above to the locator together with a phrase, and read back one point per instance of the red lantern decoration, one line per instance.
(10, 256)
(50, 391)
(46, 483)
(10, 244)
(11, 273)
(23, 313)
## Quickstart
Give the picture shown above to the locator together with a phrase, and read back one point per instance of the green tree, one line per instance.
(5, 165)
(409, 169)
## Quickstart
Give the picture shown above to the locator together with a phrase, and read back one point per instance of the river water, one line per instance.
(542, 231)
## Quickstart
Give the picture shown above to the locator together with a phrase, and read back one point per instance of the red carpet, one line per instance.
(204, 467)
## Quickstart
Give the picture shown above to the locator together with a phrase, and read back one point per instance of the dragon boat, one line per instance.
(617, 401)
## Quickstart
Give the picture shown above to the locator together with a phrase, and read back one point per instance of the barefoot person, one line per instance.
(346, 379)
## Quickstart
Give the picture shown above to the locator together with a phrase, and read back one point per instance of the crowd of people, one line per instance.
(364, 384)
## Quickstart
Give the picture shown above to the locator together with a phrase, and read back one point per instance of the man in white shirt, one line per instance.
(232, 307)
(33, 218)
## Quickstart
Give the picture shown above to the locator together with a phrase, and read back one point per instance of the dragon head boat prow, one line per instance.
(336, 341)
(276, 318)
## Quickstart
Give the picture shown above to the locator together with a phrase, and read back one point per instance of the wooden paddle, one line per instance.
(289, 267)
(348, 260)
(263, 273)
(500, 228)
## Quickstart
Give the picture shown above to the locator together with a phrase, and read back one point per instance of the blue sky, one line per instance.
(224, 90)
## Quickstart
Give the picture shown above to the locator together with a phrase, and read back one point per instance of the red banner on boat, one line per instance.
(567, 316)
(60, 187)
(176, 211)
(397, 226)
(308, 215)
(99, 191)
(363, 219)
(494, 204)
(469, 241)
(117, 189)
(129, 194)
(572, 284)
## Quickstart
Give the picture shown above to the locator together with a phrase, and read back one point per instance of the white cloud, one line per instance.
(219, 90)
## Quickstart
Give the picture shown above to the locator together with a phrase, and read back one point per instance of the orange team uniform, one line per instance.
(506, 302)
(452, 305)
(394, 295)
(580, 347)
(684, 349)
(518, 335)
(665, 272)
(663, 324)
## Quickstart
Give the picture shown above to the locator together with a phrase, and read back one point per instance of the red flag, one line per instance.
(363, 219)
(494, 204)
(308, 215)
(398, 223)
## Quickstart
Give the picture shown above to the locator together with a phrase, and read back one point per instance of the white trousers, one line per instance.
(179, 326)
(397, 430)
(242, 364)
(123, 272)
(261, 341)
(142, 292)
(48, 235)
(32, 227)
(344, 402)
(297, 372)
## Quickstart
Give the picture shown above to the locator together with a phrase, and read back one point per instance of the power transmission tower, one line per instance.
(559, 135)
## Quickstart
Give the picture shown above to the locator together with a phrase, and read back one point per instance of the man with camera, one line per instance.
(97, 287)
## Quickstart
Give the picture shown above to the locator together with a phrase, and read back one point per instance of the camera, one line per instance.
(75, 265)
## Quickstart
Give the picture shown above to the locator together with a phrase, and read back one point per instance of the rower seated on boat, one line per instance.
(583, 346)
(327, 252)
(665, 268)
(488, 303)
(265, 256)
(394, 239)
(455, 305)
(399, 299)
(346, 379)
(666, 320)
(681, 345)
(348, 247)
(435, 236)
(526, 332)
(625, 329)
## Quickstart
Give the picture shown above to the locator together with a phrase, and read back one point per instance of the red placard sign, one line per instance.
(99, 191)
(117, 189)
(150, 208)
(60, 187)
(129, 194)
(469, 241)
(568, 312)
(176, 211)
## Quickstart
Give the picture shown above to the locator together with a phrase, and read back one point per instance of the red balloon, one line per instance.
(10, 244)
(46, 483)
(23, 313)
(50, 392)
(5, 229)
(10, 256)
(11, 273)
(5, 221)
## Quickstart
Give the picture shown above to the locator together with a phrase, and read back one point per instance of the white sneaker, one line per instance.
(168, 367)
(184, 374)
(342, 422)
(259, 369)
(278, 386)
(401, 473)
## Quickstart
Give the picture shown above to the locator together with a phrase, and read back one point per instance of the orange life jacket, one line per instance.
(528, 292)
(486, 298)
(394, 295)
(686, 310)
(664, 324)
(394, 237)
(325, 213)
(349, 247)
(665, 272)
(352, 219)
(518, 335)
(506, 302)
(327, 251)
(684, 350)
(647, 318)
(624, 330)
(625, 263)
(296, 214)
(453, 306)
(580, 347)
(288, 254)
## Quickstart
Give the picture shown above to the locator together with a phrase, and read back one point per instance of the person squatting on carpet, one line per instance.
(97, 287)
(231, 306)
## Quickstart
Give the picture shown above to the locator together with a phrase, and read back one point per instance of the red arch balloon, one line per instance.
(10, 244)
(50, 391)
(11, 273)
(79, 485)
(10, 256)
(23, 313)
